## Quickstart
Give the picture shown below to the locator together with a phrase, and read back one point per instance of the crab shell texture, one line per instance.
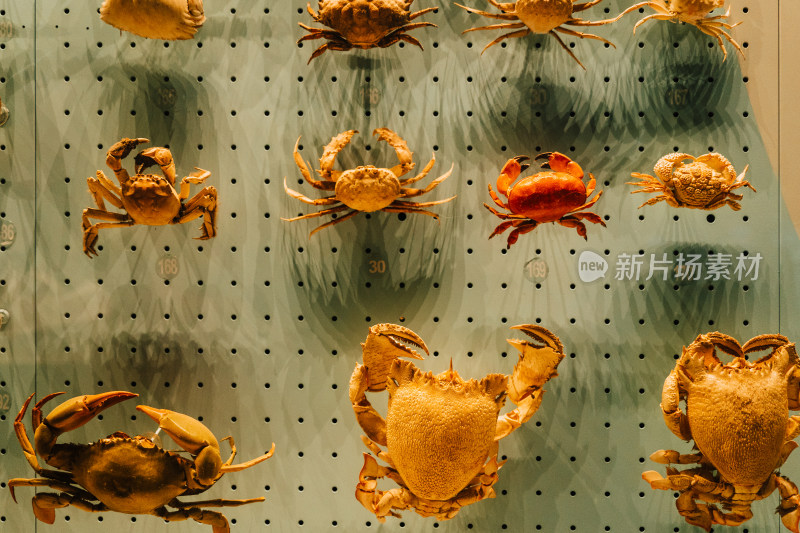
(367, 188)
(152, 475)
(155, 19)
(440, 428)
(698, 183)
(541, 16)
(693, 10)
(737, 412)
(363, 23)
(546, 196)
(150, 200)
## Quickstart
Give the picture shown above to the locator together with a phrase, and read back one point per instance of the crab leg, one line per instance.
(583, 35)
(334, 222)
(414, 205)
(161, 157)
(368, 418)
(204, 204)
(790, 500)
(565, 47)
(576, 8)
(329, 154)
(398, 34)
(421, 12)
(501, 16)
(327, 200)
(62, 486)
(102, 188)
(334, 45)
(428, 167)
(505, 216)
(400, 148)
(318, 33)
(46, 503)
(536, 366)
(512, 35)
(298, 160)
(410, 210)
(197, 176)
(409, 193)
(319, 213)
(217, 521)
(118, 152)
(213, 503)
(385, 343)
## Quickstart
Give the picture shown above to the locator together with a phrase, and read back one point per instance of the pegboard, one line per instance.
(259, 329)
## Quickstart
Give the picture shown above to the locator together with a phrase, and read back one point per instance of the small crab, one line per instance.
(131, 475)
(557, 195)
(539, 16)
(155, 19)
(694, 12)
(705, 183)
(363, 24)
(738, 415)
(441, 431)
(147, 198)
(365, 188)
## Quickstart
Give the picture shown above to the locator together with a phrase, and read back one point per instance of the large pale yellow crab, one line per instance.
(365, 188)
(705, 183)
(539, 16)
(155, 19)
(738, 416)
(146, 198)
(131, 475)
(694, 12)
(363, 24)
(441, 431)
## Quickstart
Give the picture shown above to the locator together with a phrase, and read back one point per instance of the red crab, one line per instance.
(555, 195)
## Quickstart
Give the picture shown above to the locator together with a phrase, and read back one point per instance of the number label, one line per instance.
(377, 266)
(370, 96)
(5, 402)
(539, 96)
(167, 266)
(536, 270)
(8, 233)
(677, 96)
(6, 30)
(166, 96)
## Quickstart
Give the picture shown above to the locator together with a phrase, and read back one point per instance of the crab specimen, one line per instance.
(363, 24)
(441, 431)
(558, 195)
(539, 16)
(365, 188)
(705, 183)
(155, 19)
(147, 198)
(694, 12)
(737, 414)
(131, 475)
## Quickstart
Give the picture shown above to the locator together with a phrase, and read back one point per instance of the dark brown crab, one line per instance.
(131, 475)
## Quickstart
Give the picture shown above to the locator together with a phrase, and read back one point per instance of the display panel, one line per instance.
(257, 330)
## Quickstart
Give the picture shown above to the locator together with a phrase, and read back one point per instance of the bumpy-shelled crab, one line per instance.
(738, 416)
(146, 198)
(365, 188)
(539, 16)
(694, 12)
(441, 431)
(363, 24)
(131, 475)
(705, 183)
(555, 195)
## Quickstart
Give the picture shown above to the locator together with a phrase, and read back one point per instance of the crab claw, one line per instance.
(72, 414)
(384, 344)
(788, 508)
(561, 163)
(193, 436)
(511, 171)
(537, 361)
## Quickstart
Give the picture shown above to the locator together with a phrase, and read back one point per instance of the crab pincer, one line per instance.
(384, 344)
